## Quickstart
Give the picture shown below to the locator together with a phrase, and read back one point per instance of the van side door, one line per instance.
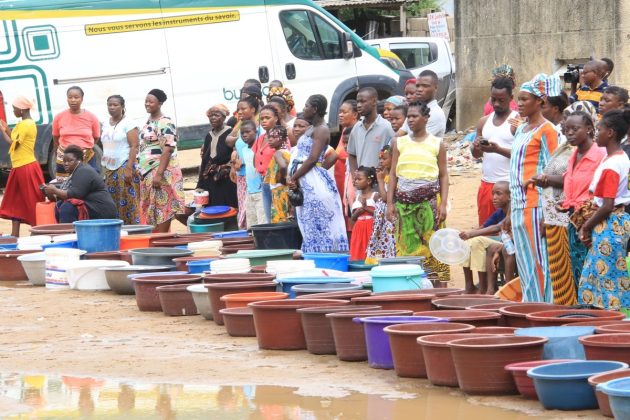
(308, 50)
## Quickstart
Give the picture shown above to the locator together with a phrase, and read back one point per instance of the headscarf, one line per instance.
(219, 108)
(504, 70)
(159, 94)
(584, 106)
(284, 93)
(543, 85)
(396, 100)
(22, 102)
(411, 82)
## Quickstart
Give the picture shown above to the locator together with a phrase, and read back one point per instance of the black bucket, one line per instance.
(285, 235)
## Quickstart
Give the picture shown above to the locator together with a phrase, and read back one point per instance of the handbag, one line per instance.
(584, 212)
(296, 197)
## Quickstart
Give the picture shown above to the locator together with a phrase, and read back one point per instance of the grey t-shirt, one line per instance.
(366, 143)
(87, 185)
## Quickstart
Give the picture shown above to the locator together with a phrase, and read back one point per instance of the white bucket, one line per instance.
(57, 260)
(34, 266)
(29, 243)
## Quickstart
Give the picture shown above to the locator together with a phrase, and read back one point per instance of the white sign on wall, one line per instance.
(438, 27)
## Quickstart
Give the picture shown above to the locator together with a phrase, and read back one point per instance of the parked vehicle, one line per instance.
(199, 52)
(426, 53)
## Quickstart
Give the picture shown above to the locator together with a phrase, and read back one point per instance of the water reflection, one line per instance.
(48, 397)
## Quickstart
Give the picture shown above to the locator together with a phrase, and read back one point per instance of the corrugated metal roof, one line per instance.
(337, 4)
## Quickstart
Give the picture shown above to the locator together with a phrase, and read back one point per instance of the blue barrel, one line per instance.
(98, 235)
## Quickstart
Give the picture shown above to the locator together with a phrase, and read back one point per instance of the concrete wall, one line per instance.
(533, 36)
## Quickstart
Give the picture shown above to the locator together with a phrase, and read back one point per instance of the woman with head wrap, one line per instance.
(504, 70)
(119, 163)
(162, 185)
(214, 172)
(534, 142)
(22, 192)
(391, 103)
(75, 126)
(284, 93)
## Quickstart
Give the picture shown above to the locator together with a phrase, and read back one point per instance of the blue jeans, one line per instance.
(66, 212)
(266, 195)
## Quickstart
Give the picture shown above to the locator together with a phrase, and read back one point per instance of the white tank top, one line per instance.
(496, 167)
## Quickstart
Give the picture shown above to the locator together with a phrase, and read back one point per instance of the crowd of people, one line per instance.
(551, 203)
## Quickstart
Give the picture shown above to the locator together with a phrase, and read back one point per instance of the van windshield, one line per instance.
(310, 37)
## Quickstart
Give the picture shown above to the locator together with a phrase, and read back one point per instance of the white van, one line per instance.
(426, 53)
(199, 53)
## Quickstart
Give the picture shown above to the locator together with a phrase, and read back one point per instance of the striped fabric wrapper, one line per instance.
(562, 282)
(531, 255)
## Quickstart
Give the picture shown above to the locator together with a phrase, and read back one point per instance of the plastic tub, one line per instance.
(287, 283)
(137, 229)
(233, 234)
(360, 266)
(157, 256)
(240, 300)
(607, 347)
(56, 262)
(98, 235)
(524, 383)
(176, 300)
(262, 256)
(135, 241)
(602, 378)
(563, 341)
(35, 267)
(389, 278)
(198, 266)
(9, 247)
(618, 392)
(377, 343)
(200, 296)
(329, 260)
(564, 386)
(87, 274)
(118, 277)
(284, 235)
(211, 227)
(307, 289)
(64, 244)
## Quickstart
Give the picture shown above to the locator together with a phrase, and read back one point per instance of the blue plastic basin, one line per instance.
(64, 244)
(9, 247)
(233, 234)
(618, 391)
(288, 283)
(98, 235)
(329, 260)
(198, 266)
(564, 386)
(563, 341)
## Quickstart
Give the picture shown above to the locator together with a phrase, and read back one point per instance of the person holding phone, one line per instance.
(493, 144)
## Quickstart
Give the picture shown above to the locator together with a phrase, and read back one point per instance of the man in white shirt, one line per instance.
(426, 88)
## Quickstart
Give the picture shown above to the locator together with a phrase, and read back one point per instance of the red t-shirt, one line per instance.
(263, 153)
(76, 129)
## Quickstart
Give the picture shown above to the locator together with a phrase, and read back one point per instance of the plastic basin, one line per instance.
(607, 347)
(284, 235)
(64, 244)
(348, 294)
(217, 290)
(388, 278)
(176, 300)
(619, 328)
(34, 266)
(210, 227)
(232, 234)
(157, 255)
(564, 386)
(377, 343)
(565, 316)
(329, 260)
(199, 266)
(239, 322)
(602, 399)
(145, 287)
(457, 302)
(118, 277)
(137, 229)
(288, 282)
(415, 302)
(202, 302)
(98, 235)
(240, 300)
(135, 241)
(524, 383)
(261, 256)
(480, 361)
(307, 289)
(467, 316)
(618, 392)
(401, 260)
(563, 341)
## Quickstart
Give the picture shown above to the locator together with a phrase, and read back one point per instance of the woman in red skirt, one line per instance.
(22, 192)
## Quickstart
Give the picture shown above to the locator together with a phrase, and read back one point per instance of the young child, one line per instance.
(382, 243)
(363, 212)
(480, 242)
(255, 211)
(277, 173)
(397, 117)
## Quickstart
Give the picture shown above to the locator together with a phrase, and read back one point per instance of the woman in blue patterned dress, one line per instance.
(320, 217)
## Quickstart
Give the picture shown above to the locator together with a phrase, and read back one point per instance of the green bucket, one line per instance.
(261, 256)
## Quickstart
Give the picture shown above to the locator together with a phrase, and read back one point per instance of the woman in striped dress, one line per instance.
(534, 142)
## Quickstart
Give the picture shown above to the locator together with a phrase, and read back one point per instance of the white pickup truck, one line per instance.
(425, 53)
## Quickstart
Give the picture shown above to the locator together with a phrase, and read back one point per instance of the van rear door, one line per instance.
(309, 52)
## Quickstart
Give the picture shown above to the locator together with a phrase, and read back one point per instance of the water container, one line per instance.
(45, 213)
(198, 266)
(57, 260)
(287, 283)
(285, 235)
(64, 244)
(329, 260)
(394, 277)
(99, 235)
(618, 391)
(563, 341)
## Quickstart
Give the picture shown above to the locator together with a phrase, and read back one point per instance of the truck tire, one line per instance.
(52, 159)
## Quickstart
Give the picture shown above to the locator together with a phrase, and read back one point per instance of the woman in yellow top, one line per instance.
(418, 189)
(22, 192)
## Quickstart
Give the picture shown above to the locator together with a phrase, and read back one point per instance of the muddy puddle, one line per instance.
(50, 397)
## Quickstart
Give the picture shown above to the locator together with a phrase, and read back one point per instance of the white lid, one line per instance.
(448, 248)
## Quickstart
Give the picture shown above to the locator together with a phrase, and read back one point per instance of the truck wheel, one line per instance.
(52, 159)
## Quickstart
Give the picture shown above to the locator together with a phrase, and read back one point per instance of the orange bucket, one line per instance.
(240, 300)
(134, 241)
(45, 213)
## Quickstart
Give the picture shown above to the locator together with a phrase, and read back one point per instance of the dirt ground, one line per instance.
(104, 335)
